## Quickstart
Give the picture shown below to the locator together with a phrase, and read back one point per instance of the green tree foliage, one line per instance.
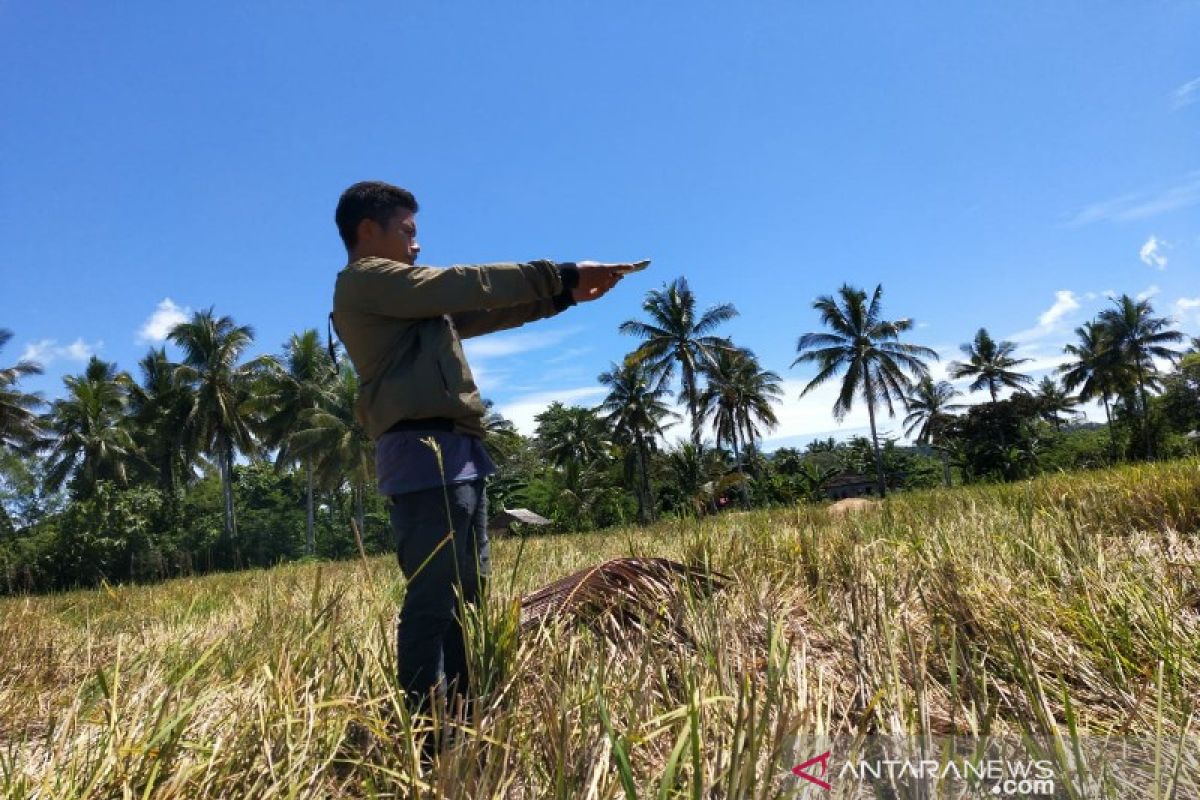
(287, 391)
(930, 409)
(572, 434)
(158, 410)
(20, 426)
(1095, 371)
(1057, 404)
(330, 439)
(696, 477)
(998, 441)
(93, 443)
(1137, 338)
(637, 413)
(738, 398)
(1180, 399)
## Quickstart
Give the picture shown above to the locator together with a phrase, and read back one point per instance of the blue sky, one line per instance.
(1000, 164)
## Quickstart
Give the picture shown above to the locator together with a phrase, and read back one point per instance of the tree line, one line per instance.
(216, 460)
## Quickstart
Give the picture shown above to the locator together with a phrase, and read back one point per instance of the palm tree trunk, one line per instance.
(874, 436)
(737, 460)
(310, 542)
(639, 486)
(359, 510)
(226, 458)
(1112, 434)
(689, 388)
(646, 487)
(946, 467)
(1145, 409)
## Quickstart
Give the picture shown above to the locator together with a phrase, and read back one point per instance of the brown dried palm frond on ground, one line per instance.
(622, 595)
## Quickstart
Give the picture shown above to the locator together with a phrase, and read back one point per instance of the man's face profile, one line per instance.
(397, 240)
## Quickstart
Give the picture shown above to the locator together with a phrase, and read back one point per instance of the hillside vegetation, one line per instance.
(1066, 606)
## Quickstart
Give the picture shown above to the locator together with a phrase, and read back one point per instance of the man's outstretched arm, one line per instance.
(587, 280)
(477, 323)
(394, 289)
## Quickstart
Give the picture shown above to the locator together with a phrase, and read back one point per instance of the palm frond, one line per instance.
(621, 595)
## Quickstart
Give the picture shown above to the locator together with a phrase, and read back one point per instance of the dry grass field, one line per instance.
(1066, 608)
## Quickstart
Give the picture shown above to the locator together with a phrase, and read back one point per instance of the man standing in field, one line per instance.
(401, 325)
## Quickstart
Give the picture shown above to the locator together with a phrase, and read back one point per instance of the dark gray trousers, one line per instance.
(439, 548)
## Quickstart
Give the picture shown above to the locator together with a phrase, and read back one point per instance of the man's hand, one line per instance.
(596, 278)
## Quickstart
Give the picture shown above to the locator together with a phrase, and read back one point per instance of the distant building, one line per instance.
(503, 522)
(844, 486)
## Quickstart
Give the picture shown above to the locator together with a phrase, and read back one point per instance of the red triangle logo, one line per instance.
(800, 770)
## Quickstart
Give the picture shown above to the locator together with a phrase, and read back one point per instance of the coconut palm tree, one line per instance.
(501, 436)
(1137, 338)
(1096, 372)
(826, 445)
(93, 441)
(813, 478)
(929, 409)
(158, 408)
(867, 348)
(676, 337)
(219, 421)
(1055, 402)
(20, 426)
(637, 413)
(738, 398)
(331, 438)
(697, 475)
(288, 389)
(572, 434)
(990, 363)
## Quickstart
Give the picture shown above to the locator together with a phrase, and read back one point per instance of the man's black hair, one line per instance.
(374, 200)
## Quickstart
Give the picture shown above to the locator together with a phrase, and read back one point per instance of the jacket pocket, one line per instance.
(442, 374)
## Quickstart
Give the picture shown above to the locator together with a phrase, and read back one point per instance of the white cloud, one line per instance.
(569, 354)
(1049, 320)
(812, 415)
(1186, 94)
(1148, 292)
(1064, 302)
(1141, 205)
(79, 350)
(1151, 255)
(46, 351)
(158, 325)
(41, 351)
(1187, 310)
(1040, 362)
(512, 344)
(522, 409)
(487, 354)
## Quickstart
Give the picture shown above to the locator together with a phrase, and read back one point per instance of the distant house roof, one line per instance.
(523, 515)
(848, 480)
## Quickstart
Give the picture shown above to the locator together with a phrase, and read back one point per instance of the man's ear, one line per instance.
(368, 230)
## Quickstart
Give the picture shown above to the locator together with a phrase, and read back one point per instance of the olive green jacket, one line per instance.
(402, 327)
